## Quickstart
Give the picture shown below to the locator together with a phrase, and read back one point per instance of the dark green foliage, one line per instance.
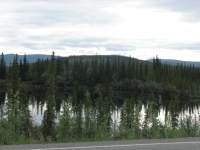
(2, 68)
(91, 71)
(90, 117)
(2, 98)
(65, 125)
(130, 125)
(59, 66)
(190, 126)
(14, 75)
(93, 85)
(24, 107)
(15, 120)
(151, 123)
(49, 114)
(24, 69)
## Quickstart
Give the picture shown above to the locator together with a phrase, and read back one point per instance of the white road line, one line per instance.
(109, 146)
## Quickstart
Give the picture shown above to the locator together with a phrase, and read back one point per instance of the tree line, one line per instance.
(121, 73)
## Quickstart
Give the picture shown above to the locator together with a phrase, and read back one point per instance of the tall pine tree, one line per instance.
(2, 67)
(49, 114)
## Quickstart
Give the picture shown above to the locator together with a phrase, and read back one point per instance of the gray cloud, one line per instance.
(45, 13)
(83, 42)
(181, 46)
(120, 47)
(38, 38)
(156, 44)
(30, 45)
(96, 42)
(87, 26)
(162, 44)
(190, 9)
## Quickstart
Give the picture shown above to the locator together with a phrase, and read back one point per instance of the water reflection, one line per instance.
(38, 106)
(115, 114)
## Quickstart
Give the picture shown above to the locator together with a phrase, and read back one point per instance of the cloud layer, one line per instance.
(141, 29)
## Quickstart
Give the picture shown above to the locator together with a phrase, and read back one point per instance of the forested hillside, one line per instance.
(174, 62)
(119, 72)
(92, 86)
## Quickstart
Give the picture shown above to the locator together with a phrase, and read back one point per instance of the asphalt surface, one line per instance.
(155, 144)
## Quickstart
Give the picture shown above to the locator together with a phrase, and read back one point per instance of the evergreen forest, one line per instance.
(89, 89)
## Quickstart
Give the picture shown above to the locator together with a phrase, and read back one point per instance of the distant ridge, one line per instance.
(174, 62)
(30, 58)
(34, 57)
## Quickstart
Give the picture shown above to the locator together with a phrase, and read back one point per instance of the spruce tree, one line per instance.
(24, 108)
(49, 114)
(81, 72)
(21, 72)
(14, 75)
(89, 114)
(2, 67)
(13, 112)
(25, 69)
(107, 71)
(59, 66)
(129, 69)
(65, 123)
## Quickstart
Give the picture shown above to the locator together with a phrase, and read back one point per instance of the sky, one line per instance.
(142, 29)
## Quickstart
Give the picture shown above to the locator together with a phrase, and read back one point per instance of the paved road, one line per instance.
(162, 144)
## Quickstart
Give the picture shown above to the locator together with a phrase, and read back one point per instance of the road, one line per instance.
(160, 144)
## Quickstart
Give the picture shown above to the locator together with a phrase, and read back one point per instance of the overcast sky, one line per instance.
(137, 28)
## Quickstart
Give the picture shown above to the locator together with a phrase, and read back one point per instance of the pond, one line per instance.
(37, 106)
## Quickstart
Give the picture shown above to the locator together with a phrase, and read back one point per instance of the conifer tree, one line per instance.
(89, 116)
(25, 69)
(81, 72)
(129, 69)
(59, 66)
(14, 75)
(151, 122)
(103, 117)
(122, 71)
(102, 72)
(107, 71)
(66, 68)
(24, 108)
(49, 114)
(14, 114)
(2, 67)
(141, 71)
(21, 72)
(79, 121)
(65, 123)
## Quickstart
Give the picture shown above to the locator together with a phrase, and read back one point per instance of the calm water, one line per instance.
(37, 113)
(38, 106)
